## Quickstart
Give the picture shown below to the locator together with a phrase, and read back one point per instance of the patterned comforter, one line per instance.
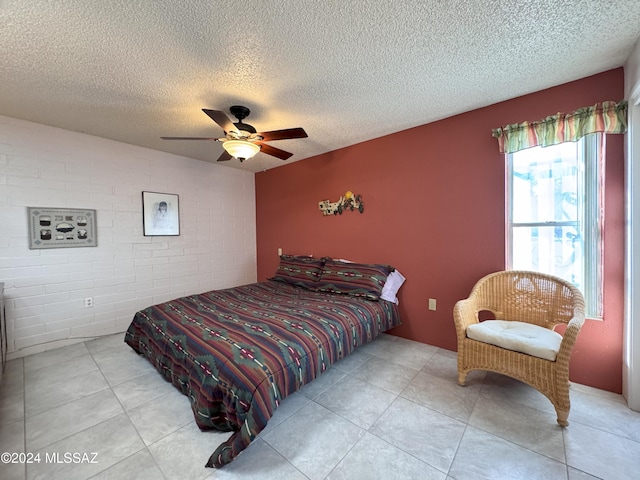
(237, 353)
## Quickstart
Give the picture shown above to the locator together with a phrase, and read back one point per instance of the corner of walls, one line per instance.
(45, 289)
(632, 71)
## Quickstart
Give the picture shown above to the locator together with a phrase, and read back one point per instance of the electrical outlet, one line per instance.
(279, 251)
(88, 302)
(432, 304)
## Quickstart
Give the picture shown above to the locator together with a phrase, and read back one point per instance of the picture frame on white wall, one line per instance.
(160, 214)
(61, 227)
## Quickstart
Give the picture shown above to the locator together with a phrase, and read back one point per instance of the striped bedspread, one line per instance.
(237, 353)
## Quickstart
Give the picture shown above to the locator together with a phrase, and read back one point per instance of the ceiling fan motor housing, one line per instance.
(241, 113)
(245, 127)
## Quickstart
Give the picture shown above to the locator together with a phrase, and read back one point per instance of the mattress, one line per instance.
(237, 353)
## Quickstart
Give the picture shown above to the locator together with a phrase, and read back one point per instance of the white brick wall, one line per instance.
(42, 166)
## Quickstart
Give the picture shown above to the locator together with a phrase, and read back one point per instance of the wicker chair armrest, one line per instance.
(569, 338)
(465, 313)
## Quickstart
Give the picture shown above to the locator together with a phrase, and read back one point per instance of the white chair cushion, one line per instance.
(517, 336)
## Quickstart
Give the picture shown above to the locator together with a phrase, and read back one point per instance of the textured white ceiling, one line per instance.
(345, 71)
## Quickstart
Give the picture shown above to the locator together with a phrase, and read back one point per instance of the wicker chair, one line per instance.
(529, 297)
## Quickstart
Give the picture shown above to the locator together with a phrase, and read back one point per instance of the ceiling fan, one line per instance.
(241, 140)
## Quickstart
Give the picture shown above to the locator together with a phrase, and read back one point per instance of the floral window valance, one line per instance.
(605, 117)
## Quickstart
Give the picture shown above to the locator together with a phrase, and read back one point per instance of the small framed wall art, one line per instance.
(61, 227)
(160, 214)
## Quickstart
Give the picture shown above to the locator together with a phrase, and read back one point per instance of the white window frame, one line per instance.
(590, 216)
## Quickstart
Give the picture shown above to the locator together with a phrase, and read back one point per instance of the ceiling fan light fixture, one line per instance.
(241, 149)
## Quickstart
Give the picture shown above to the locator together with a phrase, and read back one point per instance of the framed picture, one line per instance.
(160, 214)
(61, 227)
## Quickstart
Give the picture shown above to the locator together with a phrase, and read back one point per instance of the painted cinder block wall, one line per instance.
(41, 166)
(435, 209)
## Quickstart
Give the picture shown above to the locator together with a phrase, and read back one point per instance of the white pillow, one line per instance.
(391, 286)
(518, 336)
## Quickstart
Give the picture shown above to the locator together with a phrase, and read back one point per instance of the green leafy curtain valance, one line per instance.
(605, 117)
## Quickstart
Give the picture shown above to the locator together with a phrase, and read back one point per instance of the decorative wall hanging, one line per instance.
(349, 202)
(61, 227)
(160, 214)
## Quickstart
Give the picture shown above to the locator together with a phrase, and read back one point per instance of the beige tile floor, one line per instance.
(392, 410)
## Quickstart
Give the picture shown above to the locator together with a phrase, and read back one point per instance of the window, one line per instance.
(554, 214)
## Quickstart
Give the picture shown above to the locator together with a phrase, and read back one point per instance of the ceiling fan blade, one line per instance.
(189, 138)
(273, 151)
(283, 134)
(221, 119)
(224, 157)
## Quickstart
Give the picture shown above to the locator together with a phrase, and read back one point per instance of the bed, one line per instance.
(238, 352)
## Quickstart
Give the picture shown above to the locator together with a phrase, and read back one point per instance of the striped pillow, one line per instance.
(298, 270)
(358, 279)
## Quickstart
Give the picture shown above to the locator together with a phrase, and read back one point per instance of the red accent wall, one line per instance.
(434, 200)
